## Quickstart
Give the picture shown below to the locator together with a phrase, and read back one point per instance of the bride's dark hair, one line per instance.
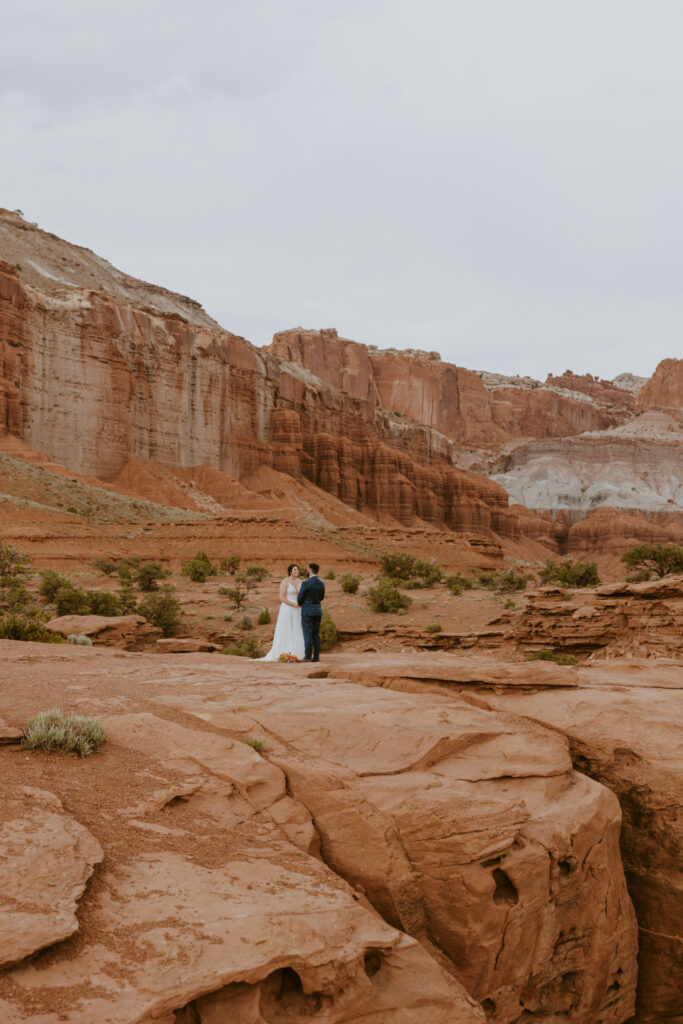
(290, 567)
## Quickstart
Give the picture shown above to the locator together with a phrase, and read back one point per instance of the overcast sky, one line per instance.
(499, 180)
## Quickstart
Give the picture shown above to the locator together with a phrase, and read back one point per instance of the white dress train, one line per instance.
(288, 637)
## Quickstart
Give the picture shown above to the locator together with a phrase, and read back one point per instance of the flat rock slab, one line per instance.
(46, 859)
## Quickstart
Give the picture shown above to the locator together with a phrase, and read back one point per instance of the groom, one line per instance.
(311, 593)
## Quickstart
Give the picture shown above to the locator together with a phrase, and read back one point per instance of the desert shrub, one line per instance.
(50, 582)
(331, 575)
(457, 583)
(230, 564)
(409, 571)
(659, 559)
(125, 575)
(385, 597)
(128, 602)
(27, 626)
(642, 576)
(257, 573)
(71, 600)
(570, 573)
(246, 622)
(13, 564)
(435, 627)
(328, 632)
(105, 565)
(557, 657)
(199, 568)
(504, 580)
(247, 648)
(350, 583)
(264, 617)
(252, 741)
(16, 596)
(237, 594)
(509, 603)
(73, 734)
(102, 603)
(148, 576)
(80, 639)
(162, 609)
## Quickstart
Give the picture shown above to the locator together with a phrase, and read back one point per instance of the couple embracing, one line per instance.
(297, 631)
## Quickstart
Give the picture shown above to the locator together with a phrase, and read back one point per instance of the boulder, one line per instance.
(47, 859)
(186, 645)
(130, 632)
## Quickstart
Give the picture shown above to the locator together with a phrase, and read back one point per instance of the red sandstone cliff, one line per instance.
(664, 390)
(93, 378)
(448, 398)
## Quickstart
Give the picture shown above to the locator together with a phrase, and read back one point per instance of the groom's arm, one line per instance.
(302, 590)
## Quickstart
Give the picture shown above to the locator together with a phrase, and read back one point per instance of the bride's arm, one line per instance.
(283, 594)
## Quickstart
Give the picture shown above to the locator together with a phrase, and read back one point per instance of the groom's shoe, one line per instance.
(305, 659)
(315, 659)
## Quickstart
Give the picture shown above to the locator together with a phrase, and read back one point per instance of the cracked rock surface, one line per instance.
(280, 847)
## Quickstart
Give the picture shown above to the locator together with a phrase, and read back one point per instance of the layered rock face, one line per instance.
(93, 381)
(613, 620)
(624, 725)
(636, 467)
(448, 398)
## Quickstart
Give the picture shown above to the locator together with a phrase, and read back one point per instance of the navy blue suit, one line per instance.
(311, 593)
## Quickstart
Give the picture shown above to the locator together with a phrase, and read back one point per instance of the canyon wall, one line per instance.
(448, 398)
(93, 380)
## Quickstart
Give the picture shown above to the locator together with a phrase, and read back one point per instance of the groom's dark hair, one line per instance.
(314, 568)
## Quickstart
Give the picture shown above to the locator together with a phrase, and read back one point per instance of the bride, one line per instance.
(288, 637)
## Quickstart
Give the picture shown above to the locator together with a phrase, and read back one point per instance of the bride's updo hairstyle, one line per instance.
(290, 567)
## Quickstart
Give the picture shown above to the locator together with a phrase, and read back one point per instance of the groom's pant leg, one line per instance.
(316, 638)
(308, 634)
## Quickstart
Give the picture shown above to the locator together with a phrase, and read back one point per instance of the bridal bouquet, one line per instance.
(288, 657)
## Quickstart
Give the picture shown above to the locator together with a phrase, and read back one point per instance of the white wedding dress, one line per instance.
(288, 637)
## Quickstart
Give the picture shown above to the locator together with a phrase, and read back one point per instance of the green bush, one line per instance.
(570, 573)
(148, 576)
(331, 575)
(105, 565)
(328, 632)
(71, 600)
(435, 627)
(264, 617)
(230, 564)
(457, 583)
(237, 594)
(350, 583)
(504, 581)
(50, 582)
(72, 734)
(659, 559)
(247, 648)
(162, 609)
(547, 655)
(509, 603)
(257, 573)
(128, 602)
(27, 626)
(385, 597)
(199, 568)
(16, 596)
(101, 602)
(80, 639)
(246, 622)
(409, 571)
(13, 564)
(252, 741)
